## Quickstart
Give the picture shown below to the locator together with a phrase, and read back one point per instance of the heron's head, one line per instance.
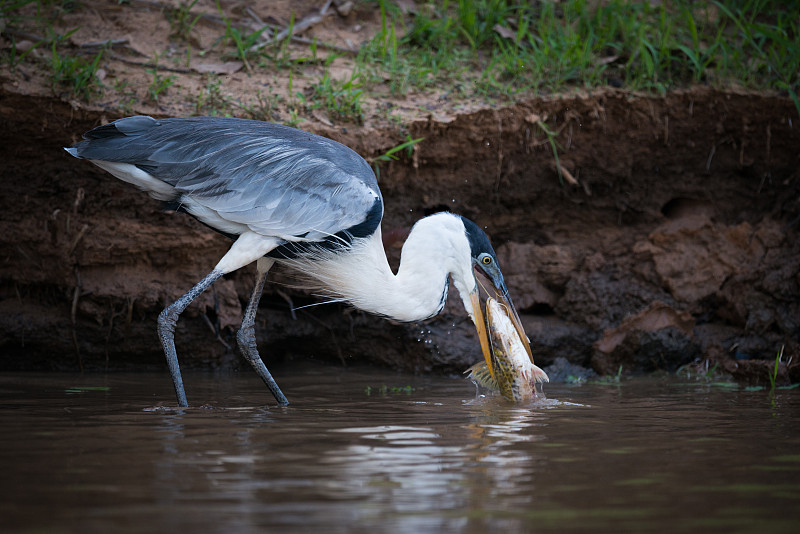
(485, 274)
(467, 255)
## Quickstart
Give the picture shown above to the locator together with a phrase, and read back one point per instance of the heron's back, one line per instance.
(237, 174)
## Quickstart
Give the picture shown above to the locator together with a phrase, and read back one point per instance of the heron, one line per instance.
(291, 197)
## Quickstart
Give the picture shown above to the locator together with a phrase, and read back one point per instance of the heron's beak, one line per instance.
(480, 324)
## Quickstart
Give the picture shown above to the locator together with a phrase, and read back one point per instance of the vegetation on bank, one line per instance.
(495, 49)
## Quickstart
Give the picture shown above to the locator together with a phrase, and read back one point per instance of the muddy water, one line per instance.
(366, 450)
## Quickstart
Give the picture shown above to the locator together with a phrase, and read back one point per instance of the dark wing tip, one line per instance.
(122, 127)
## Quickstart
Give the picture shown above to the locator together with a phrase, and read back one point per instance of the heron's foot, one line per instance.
(167, 320)
(246, 339)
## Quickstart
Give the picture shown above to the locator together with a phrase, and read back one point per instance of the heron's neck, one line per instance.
(416, 292)
(363, 277)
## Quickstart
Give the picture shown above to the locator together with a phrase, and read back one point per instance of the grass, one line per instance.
(14, 56)
(75, 73)
(68, 71)
(212, 101)
(384, 390)
(127, 96)
(265, 107)
(704, 371)
(181, 20)
(551, 139)
(773, 376)
(243, 42)
(160, 83)
(340, 99)
(606, 380)
(280, 53)
(496, 49)
(505, 48)
(391, 154)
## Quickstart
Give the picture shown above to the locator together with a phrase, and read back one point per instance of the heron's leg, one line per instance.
(247, 248)
(167, 320)
(246, 336)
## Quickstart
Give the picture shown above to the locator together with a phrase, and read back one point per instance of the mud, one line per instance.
(661, 255)
(671, 240)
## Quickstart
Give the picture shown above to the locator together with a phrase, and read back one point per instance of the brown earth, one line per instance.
(672, 242)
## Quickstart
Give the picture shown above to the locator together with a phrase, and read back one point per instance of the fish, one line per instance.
(513, 372)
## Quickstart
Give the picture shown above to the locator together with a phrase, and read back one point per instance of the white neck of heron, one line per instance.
(435, 248)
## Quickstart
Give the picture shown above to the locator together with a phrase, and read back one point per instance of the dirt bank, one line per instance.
(678, 242)
(670, 237)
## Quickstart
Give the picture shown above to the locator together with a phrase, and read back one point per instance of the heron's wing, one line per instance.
(272, 179)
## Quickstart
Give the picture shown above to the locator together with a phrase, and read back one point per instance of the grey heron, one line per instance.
(289, 196)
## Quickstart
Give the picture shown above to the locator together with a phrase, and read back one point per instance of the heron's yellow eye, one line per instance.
(486, 260)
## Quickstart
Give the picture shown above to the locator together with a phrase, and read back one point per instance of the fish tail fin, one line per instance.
(480, 374)
(539, 375)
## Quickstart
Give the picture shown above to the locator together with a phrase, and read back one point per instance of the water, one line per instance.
(98, 453)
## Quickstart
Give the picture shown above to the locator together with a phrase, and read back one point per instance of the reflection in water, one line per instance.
(644, 456)
(402, 473)
(415, 472)
(505, 469)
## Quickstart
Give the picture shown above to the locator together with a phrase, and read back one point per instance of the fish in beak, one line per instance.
(495, 283)
(510, 368)
(508, 365)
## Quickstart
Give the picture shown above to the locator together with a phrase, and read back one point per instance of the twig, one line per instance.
(78, 239)
(25, 35)
(109, 43)
(767, 173)
(111, 315)
(208, 17)
(295, 38)
(329, 46)
(215, 331)
(714, 150)
(567, 175)
(129, 317)
(563, 174)
(76, 294)
(149, 64)
(710, 156)
(300, 27)
(258, 20)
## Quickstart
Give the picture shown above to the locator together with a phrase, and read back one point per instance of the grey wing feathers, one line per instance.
(272, 179)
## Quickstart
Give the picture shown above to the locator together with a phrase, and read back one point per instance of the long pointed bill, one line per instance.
(505, 298)
(480, 325)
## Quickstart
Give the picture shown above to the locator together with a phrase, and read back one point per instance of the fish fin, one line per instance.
(539, 375)
(481, 375)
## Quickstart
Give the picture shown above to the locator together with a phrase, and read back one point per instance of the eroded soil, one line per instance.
(671, 241)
